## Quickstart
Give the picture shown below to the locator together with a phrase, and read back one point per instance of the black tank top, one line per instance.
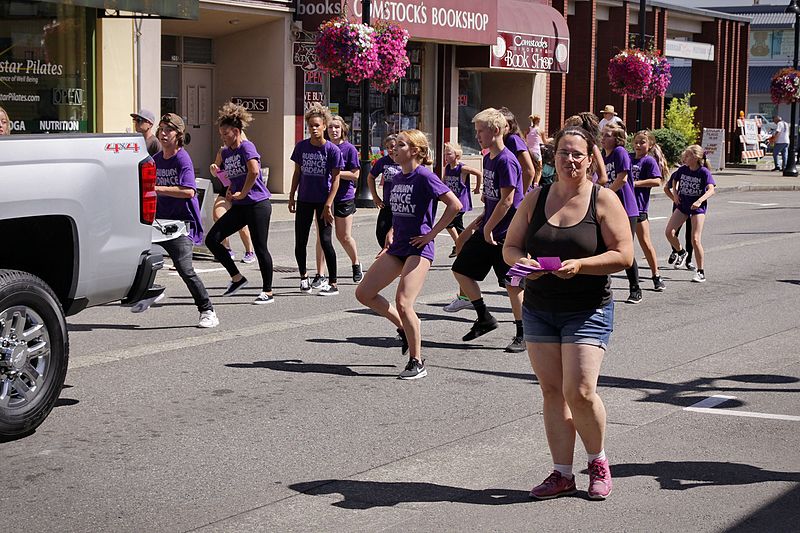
(551, 293)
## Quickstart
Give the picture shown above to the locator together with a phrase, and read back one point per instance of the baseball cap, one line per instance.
(175, 121)
(146, 114)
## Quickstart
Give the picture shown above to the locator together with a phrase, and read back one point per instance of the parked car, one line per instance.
(767, 126)
(75, 218)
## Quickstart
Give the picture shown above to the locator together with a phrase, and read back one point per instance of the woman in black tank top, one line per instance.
(568, 312)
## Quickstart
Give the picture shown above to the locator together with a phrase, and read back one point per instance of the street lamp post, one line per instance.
(363, 194)
(790, 167)
(642, 21)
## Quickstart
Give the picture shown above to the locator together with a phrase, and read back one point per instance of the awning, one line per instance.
(760, 79)
(681, 81)
(179, 9)
(531, 37)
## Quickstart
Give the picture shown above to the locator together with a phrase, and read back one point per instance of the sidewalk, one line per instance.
(728, 180)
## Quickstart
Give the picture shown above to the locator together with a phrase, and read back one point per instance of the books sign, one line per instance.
(530, 53)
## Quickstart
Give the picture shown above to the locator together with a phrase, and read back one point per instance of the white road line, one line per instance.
(707, 406)
(752, 203)
(199, 270)
(111, 356)
(656, 218)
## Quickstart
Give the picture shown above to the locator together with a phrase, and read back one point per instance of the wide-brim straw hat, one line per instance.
(608, 109)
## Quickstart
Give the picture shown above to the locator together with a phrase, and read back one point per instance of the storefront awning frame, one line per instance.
(164, 9)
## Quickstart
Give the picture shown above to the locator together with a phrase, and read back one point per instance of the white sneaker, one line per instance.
(457, 305)
(699, 277)
(143, 305)
(264, 298)
(208, 319)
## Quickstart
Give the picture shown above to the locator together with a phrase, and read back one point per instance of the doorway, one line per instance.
(196, 110)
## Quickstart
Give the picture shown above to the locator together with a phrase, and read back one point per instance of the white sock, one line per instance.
(564, 470)
(592, 456)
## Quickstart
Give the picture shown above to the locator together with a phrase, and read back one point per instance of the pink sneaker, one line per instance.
(599, 479)
(554, 486)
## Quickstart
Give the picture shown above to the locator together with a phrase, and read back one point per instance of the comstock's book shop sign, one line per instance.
(538, 53)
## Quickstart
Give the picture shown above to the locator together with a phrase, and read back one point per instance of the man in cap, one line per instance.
(609, 117)
(143, 121)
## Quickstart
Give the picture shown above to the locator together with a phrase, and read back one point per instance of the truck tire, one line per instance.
(34, 352)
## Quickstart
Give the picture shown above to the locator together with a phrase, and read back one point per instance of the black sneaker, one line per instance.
(415, 369)
(328, 290)
(681, 258)
(358, 275)
(635, 296)
(234, 286)
(658, 284)
(319, 281)
(672, 257)
(480, 328)
(517, 345)
(453, 253)
(403, 340)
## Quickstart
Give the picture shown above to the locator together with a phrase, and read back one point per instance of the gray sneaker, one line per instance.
(415, 369)
(517, 345)
(319, 281)
(328, 290)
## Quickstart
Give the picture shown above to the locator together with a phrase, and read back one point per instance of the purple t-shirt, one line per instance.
(643, 169)
(178, 170)
(452, 178)
(618, 161)
(501, 172)
(386, 166)
(316, 165)
(691, 186)
(234, 163)
(413, 201)
(515, 144)
(347, 188)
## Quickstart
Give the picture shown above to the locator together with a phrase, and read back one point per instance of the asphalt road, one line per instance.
(289, 417)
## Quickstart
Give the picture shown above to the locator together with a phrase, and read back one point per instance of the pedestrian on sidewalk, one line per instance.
(344, 204)
(780, 138)
(409, 250)
(176, 188)
(249, 199)
(609, 117)
(483, 251)
(222, 205)
(569, 313)
(143, 122)
(317, 163)
(512, 139)
(618, 167)
(648, 168)
(533, 138)
(387, 168)
(693, 185)
(588, 121)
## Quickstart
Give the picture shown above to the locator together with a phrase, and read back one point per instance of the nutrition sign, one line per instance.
(531, 53)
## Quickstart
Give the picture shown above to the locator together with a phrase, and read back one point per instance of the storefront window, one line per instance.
(469, 103)
(399, 109)
(44, 66)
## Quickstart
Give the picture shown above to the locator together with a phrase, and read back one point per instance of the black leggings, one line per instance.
(302, 227)
(254, 216)
(633, 271)
(687, 239)
(384, 225)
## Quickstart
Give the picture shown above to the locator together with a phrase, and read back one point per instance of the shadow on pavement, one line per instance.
(683, 475)
(790, 281)
(370, 494)
(779, 515)
(65, 402)
(423, 316)
(386, 342)
(298, 366)
(130, 327)
(683, 394)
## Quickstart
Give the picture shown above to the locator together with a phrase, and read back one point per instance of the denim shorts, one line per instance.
(593, 326)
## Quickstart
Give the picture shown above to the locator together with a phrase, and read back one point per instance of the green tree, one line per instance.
(672, 143)
(680, 117)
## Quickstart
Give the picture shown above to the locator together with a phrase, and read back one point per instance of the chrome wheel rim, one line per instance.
(24, 356)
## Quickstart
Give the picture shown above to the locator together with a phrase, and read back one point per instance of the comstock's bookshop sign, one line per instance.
(536, 53)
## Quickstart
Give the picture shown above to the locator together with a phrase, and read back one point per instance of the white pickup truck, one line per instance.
(75, 231)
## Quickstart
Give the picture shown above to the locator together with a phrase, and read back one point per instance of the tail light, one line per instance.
(147, 191)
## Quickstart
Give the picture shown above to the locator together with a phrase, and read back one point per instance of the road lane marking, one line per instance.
(752, 203)
(198, 270)
(707, 406)
(111, 356)
(656, 218)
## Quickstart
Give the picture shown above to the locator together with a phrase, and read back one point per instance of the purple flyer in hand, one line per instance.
(549, 263)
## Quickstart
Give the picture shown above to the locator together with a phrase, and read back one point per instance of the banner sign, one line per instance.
(714, 147)
(530, 53)
(304, 55)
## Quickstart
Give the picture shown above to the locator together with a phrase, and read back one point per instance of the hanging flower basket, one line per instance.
(785, 86)
(639, 74)
(347, 49)
(390, 44)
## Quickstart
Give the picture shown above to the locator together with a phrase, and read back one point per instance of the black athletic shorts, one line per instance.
(642, 217)
(344, 209)
(457, 223)
(478, 257)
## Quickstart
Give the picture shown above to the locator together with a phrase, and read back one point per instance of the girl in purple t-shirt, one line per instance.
(344, 204)
(386, 167)
(512, 138)
(317, 163)
(409, 250)
(456, 177)
(249, 198)
(693, 185)
(648, 168)
(618, 168)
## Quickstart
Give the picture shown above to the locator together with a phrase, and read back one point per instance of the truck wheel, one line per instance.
(34, 352)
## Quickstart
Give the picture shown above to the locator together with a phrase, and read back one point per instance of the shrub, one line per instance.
(680, 117)
(672, 143)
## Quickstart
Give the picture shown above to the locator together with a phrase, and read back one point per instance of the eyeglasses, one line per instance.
(139, 120)
(575, 156)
